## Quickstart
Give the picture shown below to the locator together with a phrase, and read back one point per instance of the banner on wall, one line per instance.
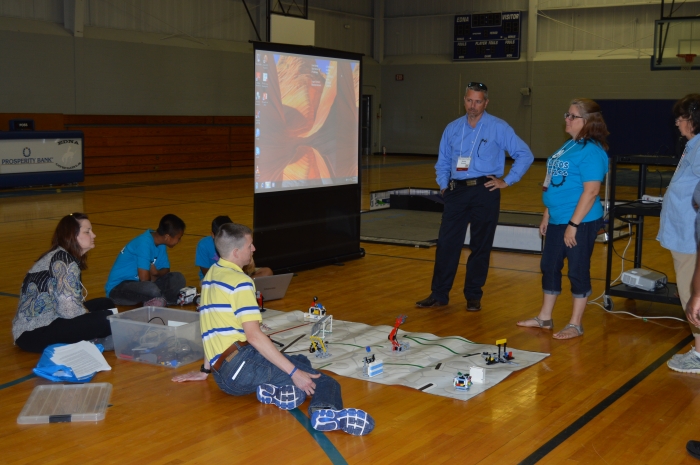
(39, 155)
(35, 158)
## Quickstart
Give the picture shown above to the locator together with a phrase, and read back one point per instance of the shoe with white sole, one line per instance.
(286, 397)
(685, 363)
(352, 421)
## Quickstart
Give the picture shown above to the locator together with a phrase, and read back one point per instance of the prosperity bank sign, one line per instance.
(39, 155)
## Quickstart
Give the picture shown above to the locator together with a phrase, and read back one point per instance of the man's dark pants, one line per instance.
(464, 205)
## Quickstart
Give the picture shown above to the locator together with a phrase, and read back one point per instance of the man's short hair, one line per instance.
(231, 236)
(477, 87)
(218, 222)
(170, 225)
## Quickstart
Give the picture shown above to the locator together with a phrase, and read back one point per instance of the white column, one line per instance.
(378, 31)
(74, 16)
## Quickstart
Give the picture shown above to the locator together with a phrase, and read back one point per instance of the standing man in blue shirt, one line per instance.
(470, 164)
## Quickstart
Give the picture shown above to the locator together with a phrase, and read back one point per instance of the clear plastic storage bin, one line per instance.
(157, 335)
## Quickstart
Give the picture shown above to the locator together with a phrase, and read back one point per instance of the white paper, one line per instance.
(82, 357)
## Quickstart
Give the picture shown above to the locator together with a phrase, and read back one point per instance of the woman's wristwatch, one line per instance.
(571, 223)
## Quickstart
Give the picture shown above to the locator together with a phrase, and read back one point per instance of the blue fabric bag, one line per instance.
(46, 368)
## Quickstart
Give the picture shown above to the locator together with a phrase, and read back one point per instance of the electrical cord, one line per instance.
(611, 243)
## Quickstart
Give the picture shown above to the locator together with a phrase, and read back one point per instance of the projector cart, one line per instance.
(634, 212)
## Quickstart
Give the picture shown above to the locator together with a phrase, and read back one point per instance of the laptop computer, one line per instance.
(273, 287)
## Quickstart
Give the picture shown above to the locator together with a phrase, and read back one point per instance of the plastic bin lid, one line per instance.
(61, 403)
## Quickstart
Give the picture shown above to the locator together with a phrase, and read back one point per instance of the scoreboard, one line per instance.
(487, 36)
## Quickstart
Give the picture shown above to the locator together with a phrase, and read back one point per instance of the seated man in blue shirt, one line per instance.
(207, 255)
(141, 272)
(471, 161)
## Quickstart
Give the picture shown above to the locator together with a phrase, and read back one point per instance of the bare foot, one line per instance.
(536, 323)
(570, 331)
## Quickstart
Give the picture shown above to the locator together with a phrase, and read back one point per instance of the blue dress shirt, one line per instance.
(487, 144)
(677, 226)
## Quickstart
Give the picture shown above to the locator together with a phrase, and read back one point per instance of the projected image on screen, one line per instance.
(306, 121)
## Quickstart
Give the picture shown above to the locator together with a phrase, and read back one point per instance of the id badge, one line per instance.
(547, 181)
(463, 163)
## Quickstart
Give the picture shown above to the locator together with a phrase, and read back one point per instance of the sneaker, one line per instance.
(286, 397)
(156, 302)
(685, 363)
(352, 421)
(429, 302)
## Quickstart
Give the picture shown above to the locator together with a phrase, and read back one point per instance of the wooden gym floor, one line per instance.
(606, 397)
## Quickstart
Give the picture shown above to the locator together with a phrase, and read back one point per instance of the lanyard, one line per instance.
(552, 161)
(463, 163)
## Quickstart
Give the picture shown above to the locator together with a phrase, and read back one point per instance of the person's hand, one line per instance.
(305, 381)
(543, 226)
(692, 310)
(154, 272)
(191, 376)
(570, 236)
(495, 183)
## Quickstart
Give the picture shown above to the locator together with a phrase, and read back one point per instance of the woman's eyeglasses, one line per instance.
(681, 119)
(571, 116)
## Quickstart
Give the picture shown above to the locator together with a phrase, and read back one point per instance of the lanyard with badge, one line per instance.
(551, 163)
(464, 162)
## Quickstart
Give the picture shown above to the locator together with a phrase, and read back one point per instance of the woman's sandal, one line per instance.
(543, 324)
(578, 328)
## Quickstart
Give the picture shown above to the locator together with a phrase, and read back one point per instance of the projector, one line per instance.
(644, 279)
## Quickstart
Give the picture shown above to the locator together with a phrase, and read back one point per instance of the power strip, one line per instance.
(651, 199)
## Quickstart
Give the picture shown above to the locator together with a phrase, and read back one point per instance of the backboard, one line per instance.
(675, 40)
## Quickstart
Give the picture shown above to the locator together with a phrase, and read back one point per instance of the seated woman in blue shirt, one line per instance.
(573, 215)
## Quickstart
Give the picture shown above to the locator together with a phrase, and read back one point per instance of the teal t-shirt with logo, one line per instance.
(573, 164)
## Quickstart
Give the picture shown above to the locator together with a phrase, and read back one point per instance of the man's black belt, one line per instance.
(470, 182)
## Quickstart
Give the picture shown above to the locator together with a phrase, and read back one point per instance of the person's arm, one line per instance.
(262, 343)
(443, 167)
(67, 294)
(193, 375)
(545, 222)
(519, 152)
(144, 275)
(161, 265)
(585, 202)
(156, 273)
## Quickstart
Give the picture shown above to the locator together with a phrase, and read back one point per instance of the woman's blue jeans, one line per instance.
(579, 258)
(249, 369)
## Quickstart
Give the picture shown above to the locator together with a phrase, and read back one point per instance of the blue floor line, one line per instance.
(17, 381)
(320, 438)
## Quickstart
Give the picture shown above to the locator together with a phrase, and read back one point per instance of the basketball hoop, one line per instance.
(686, 60)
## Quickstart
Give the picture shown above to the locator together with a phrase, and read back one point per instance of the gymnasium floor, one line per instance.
(606, 397)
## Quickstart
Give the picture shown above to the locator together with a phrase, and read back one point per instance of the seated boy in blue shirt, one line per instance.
(141, 272)
(207, 255)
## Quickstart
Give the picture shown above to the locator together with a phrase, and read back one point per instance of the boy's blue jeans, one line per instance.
(249, 369)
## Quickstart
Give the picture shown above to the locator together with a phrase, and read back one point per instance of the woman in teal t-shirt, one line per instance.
(573, 215)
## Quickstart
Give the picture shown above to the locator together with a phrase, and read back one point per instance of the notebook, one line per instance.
(273, 287)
